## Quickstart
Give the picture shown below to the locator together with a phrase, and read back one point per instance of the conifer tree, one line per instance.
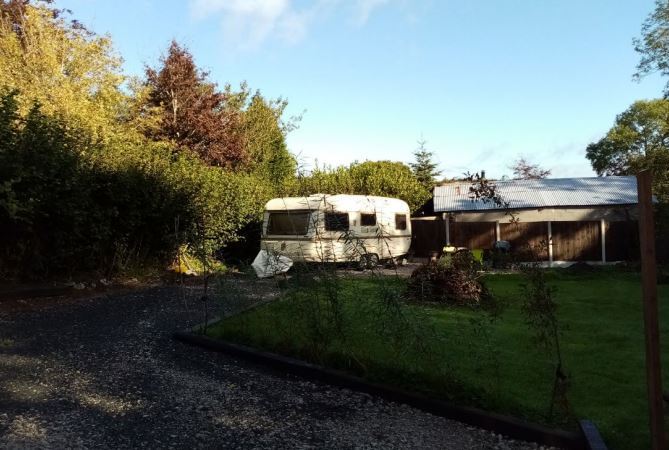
(424, 168)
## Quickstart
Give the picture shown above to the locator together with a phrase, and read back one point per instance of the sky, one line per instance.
(483, 82)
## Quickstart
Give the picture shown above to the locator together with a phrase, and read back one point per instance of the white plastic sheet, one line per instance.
(267, 265)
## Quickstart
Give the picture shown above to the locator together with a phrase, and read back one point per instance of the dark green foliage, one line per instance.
(500, 259)
(94, 177)
(662, 232)
(383, 178)
(639, 139)
(424, 168)
(8, 202)
(266, 141)
(653, 45)
(68, 204)
(63, 213)
(540, 310)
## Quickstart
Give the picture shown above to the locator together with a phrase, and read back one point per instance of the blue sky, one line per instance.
(482, 81)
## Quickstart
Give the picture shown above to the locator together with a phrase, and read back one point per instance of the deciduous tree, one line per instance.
(383, 178)
(72, 72)
(639, 139)
(266, 141)
(653, 45)
(525, 170)
(194, 114)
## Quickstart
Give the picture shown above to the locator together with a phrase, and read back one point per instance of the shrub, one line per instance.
(501, 259)
(69, 204)
(464, 260)
(460, 260)
(448, 284)
(383, 178)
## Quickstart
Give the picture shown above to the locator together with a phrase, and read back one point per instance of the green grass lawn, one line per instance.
(456, 354)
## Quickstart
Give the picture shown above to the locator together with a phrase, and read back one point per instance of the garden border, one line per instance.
(499, 423)
(22, 292)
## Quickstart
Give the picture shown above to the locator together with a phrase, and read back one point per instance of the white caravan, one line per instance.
(337, 228)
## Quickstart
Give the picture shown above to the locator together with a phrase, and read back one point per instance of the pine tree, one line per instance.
(424, 169)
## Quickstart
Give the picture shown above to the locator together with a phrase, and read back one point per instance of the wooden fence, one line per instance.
(522, 235)
(427, 237)
(577, 241)
(473, 234)
(572, 241)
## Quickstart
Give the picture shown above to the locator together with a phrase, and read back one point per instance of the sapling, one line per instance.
(540, 310)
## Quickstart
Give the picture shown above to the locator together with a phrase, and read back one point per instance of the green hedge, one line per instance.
(69, 204)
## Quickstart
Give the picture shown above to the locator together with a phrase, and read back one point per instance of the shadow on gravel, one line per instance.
(104, 372)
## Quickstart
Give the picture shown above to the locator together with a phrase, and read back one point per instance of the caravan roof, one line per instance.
(339, 202)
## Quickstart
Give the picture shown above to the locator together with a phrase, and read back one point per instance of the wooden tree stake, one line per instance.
(650, 310)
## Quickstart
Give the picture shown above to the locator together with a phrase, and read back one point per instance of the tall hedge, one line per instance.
(68, 204)
(383, 178)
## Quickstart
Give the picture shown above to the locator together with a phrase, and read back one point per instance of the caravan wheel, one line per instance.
(372, 261)
(362, 262)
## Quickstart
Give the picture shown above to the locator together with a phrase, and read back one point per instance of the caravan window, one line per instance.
(294, 223)
(336, 221)
(400, 221)
(367, 220)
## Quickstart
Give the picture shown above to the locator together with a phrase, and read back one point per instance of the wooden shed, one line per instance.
(577, 219)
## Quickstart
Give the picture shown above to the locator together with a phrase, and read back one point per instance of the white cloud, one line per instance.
(257, 8)
(365, 8)
(247, 24)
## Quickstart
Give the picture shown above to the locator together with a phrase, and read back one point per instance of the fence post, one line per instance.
(550, 243)
(602, 233)
(650, 310)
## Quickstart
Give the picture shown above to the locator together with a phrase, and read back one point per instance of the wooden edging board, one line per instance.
(35, 292)
(592, 437)
(502, 424)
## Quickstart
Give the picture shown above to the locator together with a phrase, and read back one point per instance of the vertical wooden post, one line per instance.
(447, 224)
(650, 310)
(498, 234)
(602, 233)
(550, 243)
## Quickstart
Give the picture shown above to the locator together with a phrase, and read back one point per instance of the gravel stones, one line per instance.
(103, 372)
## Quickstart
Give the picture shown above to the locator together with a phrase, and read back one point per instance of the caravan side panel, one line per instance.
(328, 238)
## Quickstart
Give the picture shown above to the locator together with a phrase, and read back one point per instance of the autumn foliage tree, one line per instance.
(193, 113)
(81, 185)
(52, 59)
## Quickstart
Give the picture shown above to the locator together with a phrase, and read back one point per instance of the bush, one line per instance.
(450, 284)
(71, 204)
(501, 259)
(383, 178)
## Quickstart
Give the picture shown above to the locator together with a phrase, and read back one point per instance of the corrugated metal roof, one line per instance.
(543, 193)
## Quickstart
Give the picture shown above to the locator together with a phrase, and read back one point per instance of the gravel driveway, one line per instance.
(104, 372)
